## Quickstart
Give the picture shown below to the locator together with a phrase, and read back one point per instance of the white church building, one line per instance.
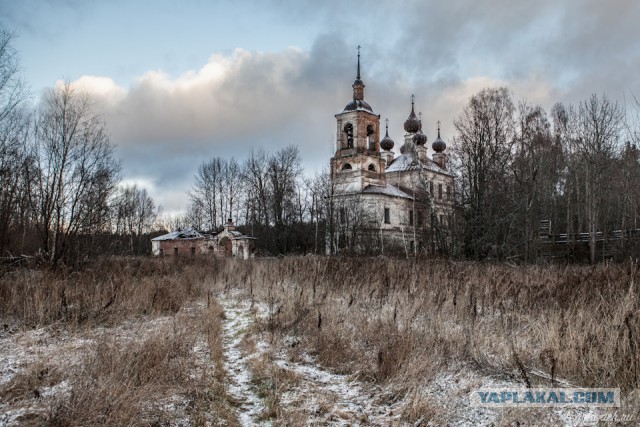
(382, 202)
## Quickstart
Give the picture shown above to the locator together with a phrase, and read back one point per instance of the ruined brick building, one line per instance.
(229, 242)
(385, 202)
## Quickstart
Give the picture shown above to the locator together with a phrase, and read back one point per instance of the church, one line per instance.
(381, 202)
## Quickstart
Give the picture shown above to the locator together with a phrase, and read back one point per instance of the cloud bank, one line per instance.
(545, 52)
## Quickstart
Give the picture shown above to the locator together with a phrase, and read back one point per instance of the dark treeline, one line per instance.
(577, 166)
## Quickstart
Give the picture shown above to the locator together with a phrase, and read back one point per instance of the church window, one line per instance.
(372, 168)
(410, 217)
(387, 216)
(370, 140)
(439, 191)
(419, 218)
(348, 131)
(343, 215)
(346, 167)
(448, 192)
(431, 188)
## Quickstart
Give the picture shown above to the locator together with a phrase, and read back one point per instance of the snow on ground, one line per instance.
(324, 397)
(319, 396)
(235, 328)
(453, 388)
(343, 400)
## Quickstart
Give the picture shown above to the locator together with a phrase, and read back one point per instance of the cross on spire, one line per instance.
(438, 128)
(386, 123)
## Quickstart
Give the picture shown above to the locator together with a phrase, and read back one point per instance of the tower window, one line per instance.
(372, 168)
(346, 167)
(387, 216)
(431, 188)
(419, 218)
(410, 217)
(449, 192)
(370, 140)
(439, 191)
(348, 131)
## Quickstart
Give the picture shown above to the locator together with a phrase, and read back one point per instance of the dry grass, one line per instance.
(397, 322)
(104, 291)
(152, 354)
(393, 322)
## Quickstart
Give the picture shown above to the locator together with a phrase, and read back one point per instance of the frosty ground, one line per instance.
(266, 382)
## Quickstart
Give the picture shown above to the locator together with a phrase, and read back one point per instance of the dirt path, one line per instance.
(315, 396)
(236, 326)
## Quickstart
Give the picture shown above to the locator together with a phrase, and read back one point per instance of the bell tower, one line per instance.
(357, 162)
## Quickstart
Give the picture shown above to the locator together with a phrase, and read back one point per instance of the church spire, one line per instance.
(358, 85)
(358, 77)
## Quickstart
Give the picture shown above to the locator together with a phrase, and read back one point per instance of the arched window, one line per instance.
(346, 167)
(371, 143)
(372, 168)
(348, 130)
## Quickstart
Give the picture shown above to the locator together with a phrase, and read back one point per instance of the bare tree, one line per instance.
(536, 168)
(599, 125)
(255, 175)
(14, 129)
(135, 214)
(74, 170)
(205, 193)
(284, 170)
(483, 145)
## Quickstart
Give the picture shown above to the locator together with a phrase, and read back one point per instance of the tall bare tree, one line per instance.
(13, 137)
(483, 145)
(74, 173)
(135, 213)
(599, 124)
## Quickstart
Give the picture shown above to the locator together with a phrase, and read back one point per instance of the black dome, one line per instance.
(420, 138)
(412, 124)
(439, 145)
(387, 143)
(358, 105)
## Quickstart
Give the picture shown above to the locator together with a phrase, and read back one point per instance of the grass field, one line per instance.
(303, 340)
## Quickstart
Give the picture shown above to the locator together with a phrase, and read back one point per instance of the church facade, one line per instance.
(382, 202)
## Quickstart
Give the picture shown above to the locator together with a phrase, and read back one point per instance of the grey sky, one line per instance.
(181, 82)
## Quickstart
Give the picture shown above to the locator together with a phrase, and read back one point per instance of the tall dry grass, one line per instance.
(400, 321)
(143, 321)
(395, 322)
(105, 290)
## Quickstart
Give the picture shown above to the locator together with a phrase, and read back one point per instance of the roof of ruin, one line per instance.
(404, 162)
(389, 190)
(186, 234)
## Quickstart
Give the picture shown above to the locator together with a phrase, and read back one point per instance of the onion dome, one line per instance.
(412, 124)
(387, 143)
(420, 138)
(439, 145)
